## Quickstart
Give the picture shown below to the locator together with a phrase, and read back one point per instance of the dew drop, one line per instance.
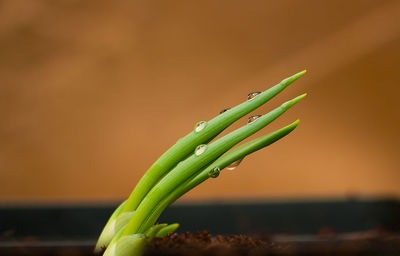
(224, 110)
(253, 118)
(252, 95)
(233, 165)
(200, 149)
(200, 126)
(214, 173)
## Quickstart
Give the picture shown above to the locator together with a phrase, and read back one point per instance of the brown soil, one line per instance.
(202, 243)
(326, 242)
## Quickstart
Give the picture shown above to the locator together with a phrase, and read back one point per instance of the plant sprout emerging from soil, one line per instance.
(192, 160)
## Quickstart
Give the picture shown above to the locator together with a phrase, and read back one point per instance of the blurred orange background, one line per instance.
(92, 92)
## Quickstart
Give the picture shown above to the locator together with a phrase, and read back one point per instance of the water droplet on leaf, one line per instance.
(224, 110)
(200, 149)
(233, 165)
(253, 118)
(214, 173)
(200, 126)
(252, 95)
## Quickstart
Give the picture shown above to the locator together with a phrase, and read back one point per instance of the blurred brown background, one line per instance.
(92, 92)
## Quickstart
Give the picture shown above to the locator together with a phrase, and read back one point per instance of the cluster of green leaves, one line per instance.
(192, 160)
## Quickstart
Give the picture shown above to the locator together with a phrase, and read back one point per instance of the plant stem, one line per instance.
(222, 162)
(185, 146)
(193, 163)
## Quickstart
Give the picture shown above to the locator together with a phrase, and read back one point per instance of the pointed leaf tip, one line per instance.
(292, 78)
(298, 98)
(298, 75)
(293, 125)
(290, 103)
(303, 95)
